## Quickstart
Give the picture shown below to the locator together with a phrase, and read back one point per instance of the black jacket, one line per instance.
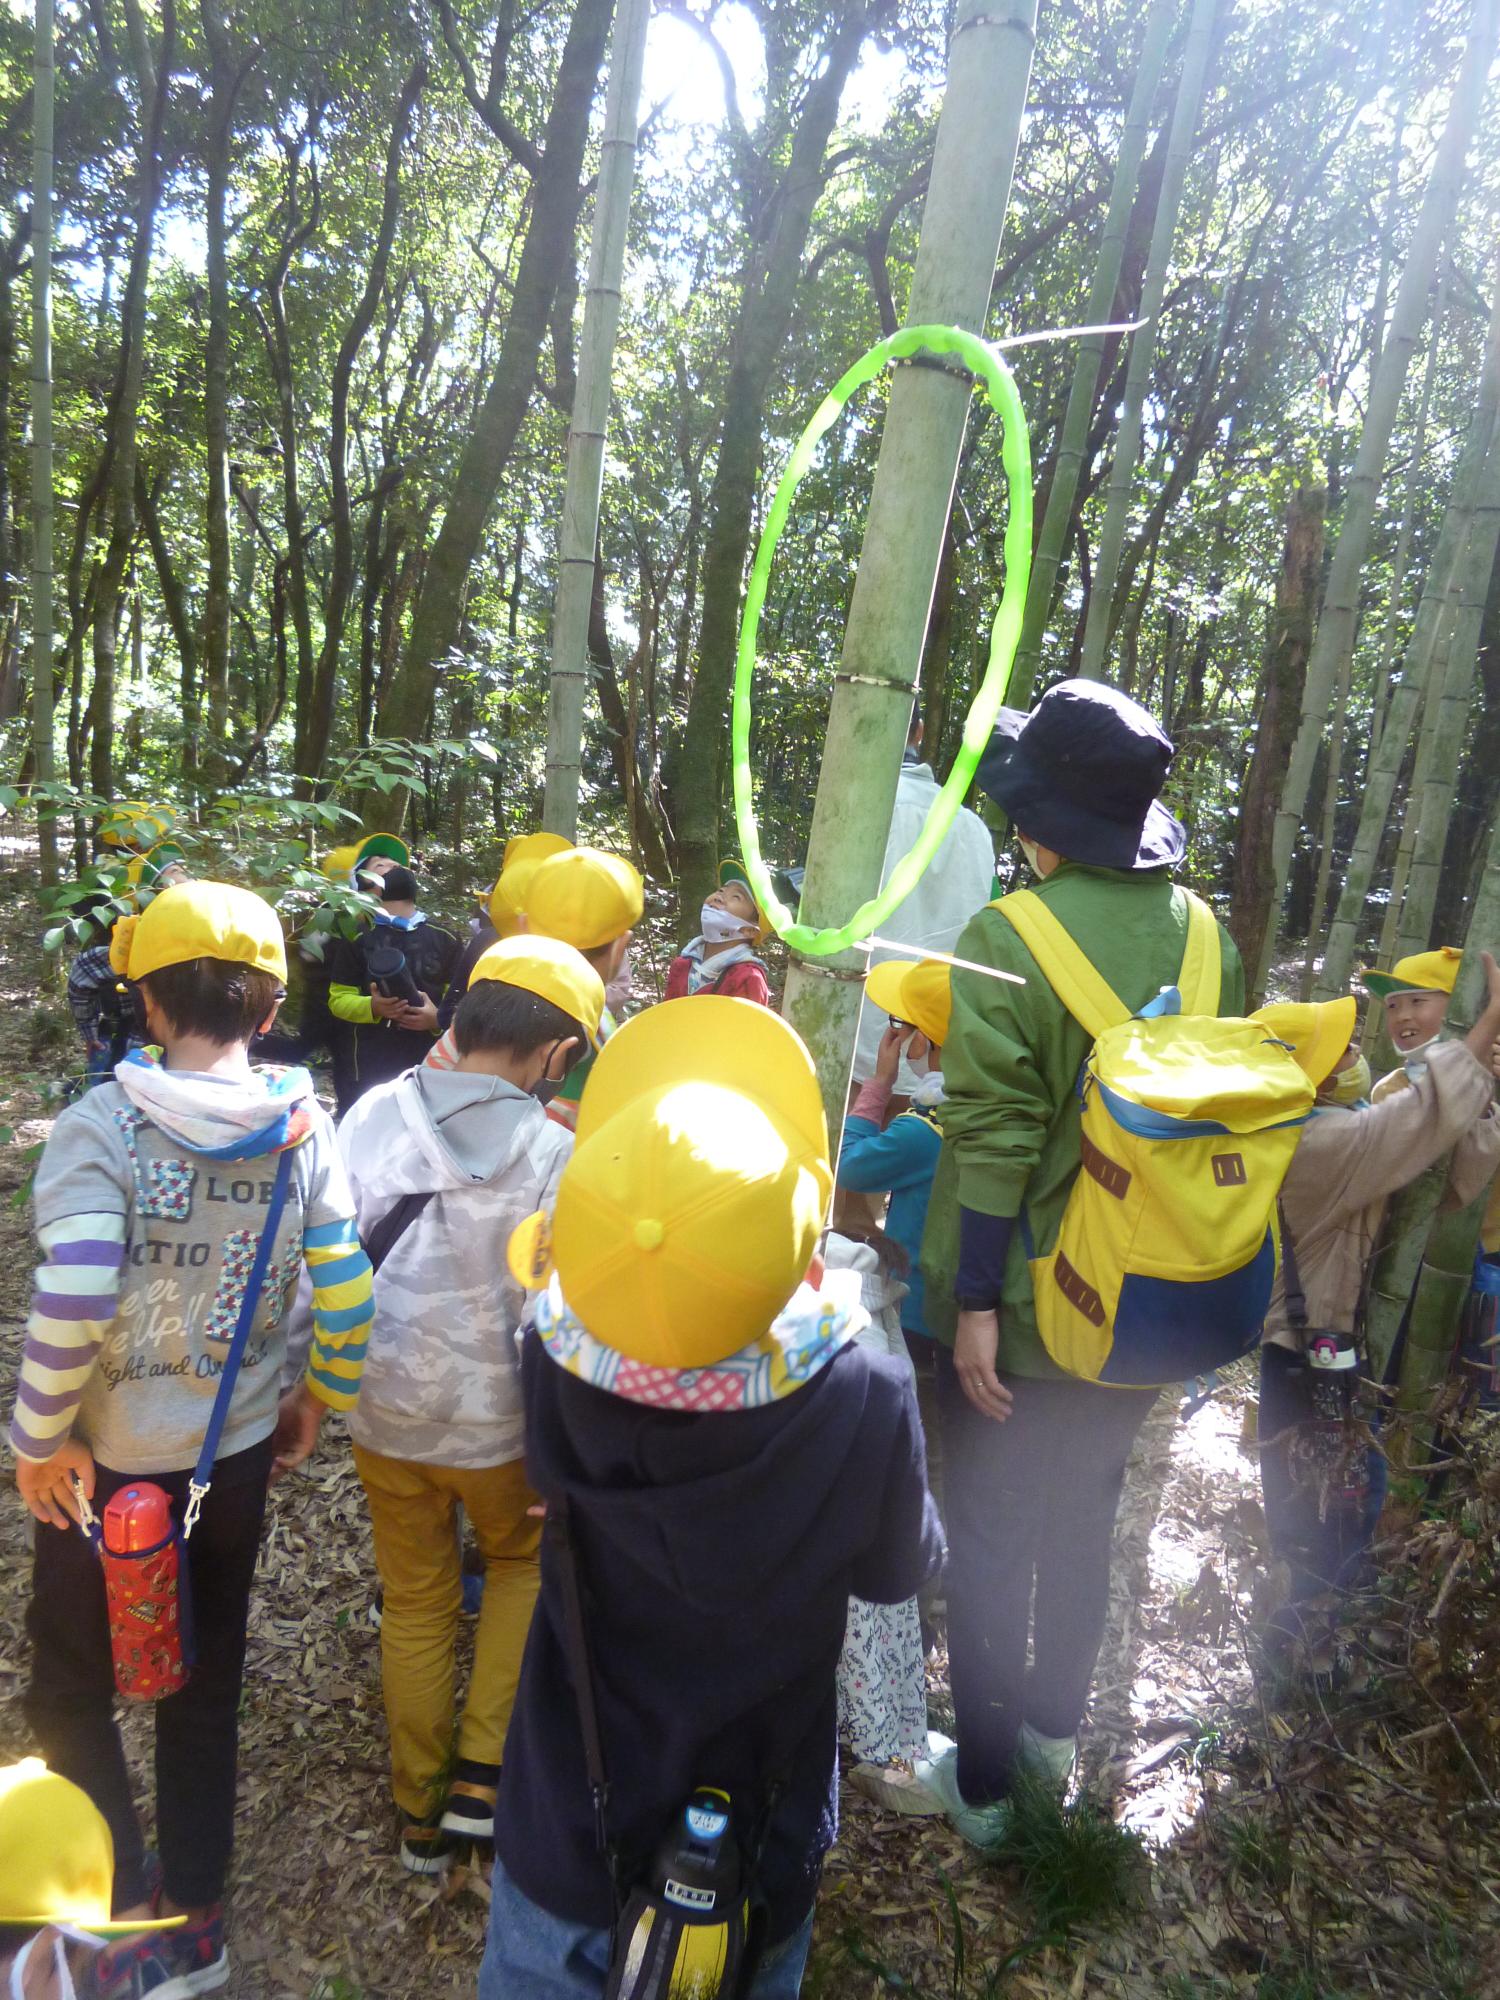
(374, 1052)
(719, 1553)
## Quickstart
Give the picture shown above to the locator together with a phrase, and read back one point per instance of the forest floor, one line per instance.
(1288, 1843)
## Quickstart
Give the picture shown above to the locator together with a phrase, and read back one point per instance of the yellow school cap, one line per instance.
(915, 990)
(1423, 972)
(145, 870)
(585, 897)
(524, 854)
(199, 920)
(57, 1859)
(691, 1207)
(135, 825)
(532, 847)
(1316, 1031)
(340, 863)
(549, 969)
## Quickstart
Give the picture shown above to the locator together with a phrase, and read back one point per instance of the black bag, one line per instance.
(694, 1931)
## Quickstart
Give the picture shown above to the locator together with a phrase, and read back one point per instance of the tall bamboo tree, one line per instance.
(1103, 612)
(1334, 638)
(578, 540)
(1102, 303)
(1434, 607)
(41, 427)
(989, 67)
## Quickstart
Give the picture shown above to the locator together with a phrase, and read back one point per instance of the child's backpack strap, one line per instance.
(1202, 961)
(1064, 964)
(1071, 974)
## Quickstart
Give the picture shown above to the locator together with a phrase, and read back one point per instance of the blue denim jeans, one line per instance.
(532, 1955)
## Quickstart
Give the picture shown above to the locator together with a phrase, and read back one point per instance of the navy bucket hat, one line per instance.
(1081, 774)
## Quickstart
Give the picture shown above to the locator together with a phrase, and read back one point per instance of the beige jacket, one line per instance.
(1348, 1163)
(1475, 1159)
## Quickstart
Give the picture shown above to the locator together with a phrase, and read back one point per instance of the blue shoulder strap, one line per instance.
(203, 1471)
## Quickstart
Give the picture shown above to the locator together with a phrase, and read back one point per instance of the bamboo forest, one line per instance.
(721, 448)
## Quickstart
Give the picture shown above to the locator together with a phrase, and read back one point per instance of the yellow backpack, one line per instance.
(1167, 1249)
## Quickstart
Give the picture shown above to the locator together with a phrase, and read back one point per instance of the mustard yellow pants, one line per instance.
(413, 1512)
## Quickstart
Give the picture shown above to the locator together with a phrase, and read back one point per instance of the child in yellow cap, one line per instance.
(56, 1883)
(1352, 1156)
(501, 918)
(591, 900)
(727, 1467)
(444, 1164)
(151, 1199)
(722, 958)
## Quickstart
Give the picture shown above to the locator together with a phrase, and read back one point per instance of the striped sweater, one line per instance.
(146, 1247)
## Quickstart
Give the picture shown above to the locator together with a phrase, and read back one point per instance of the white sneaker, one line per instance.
(1049, 1759)
(937, 1772)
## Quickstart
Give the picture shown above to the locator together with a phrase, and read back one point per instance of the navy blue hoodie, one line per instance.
(718, 1555)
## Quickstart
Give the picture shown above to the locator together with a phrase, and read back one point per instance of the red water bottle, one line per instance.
(144, 1583)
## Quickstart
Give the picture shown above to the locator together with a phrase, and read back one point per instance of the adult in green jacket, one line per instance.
(1037, 1457)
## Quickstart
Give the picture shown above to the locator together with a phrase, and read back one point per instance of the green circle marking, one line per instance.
(985, 363)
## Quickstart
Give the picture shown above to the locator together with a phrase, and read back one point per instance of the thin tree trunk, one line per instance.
(1340, 615)
(1332, 774)
(41, 432)
(547, 248)
(124, 420)
(765, 313)
(315, 719)
(1103, 612)
(1102, 303)
(1451, 717)
(989, 67)
(585, 473)
(1287, 643)
(1434, 608)
(1404, 535)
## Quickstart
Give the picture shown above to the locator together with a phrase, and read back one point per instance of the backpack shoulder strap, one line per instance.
(1064, 964)
(1202, 962)
(393, 1225)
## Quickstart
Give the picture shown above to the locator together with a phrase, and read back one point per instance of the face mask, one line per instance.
(1351, 1086)
(929, 1091)
(546, 1087)
(721, 926)
(62, 1971)
(1029, 849)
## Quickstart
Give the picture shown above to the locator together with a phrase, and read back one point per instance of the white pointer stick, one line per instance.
(946, 958)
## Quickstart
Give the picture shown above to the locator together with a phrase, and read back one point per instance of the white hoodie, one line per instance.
(442, 1381)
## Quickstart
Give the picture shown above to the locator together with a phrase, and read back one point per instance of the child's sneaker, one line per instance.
(166, 1965)
(469, 1814)
(425, 1846)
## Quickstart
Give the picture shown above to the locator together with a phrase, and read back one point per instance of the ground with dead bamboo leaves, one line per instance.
(1296, 1846)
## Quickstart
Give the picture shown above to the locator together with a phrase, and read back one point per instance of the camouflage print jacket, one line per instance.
(442, 1379)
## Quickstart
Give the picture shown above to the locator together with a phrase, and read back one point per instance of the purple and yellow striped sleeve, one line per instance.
(343, 1307)
(77, 1288)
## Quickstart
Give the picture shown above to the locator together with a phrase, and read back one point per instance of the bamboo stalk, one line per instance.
(1096, 631)
(989, 67)
(1439, 589)
(1404, 535)
(1067, 467)
(585, 473)
(41, 433)
(1338, 621)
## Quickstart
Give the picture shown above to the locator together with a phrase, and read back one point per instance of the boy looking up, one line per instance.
(722, 960)
(444, 1165)
(150, 1200)
(730, 1466)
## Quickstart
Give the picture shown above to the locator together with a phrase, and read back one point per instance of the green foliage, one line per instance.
(1077, 1866)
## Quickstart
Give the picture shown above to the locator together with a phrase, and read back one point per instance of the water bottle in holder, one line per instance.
(1335, 1450)
(145, 1586)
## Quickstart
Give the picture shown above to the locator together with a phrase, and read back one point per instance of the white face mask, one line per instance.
(929, 1091)
(1030, 850)
(721, 926)
(62, 1972)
